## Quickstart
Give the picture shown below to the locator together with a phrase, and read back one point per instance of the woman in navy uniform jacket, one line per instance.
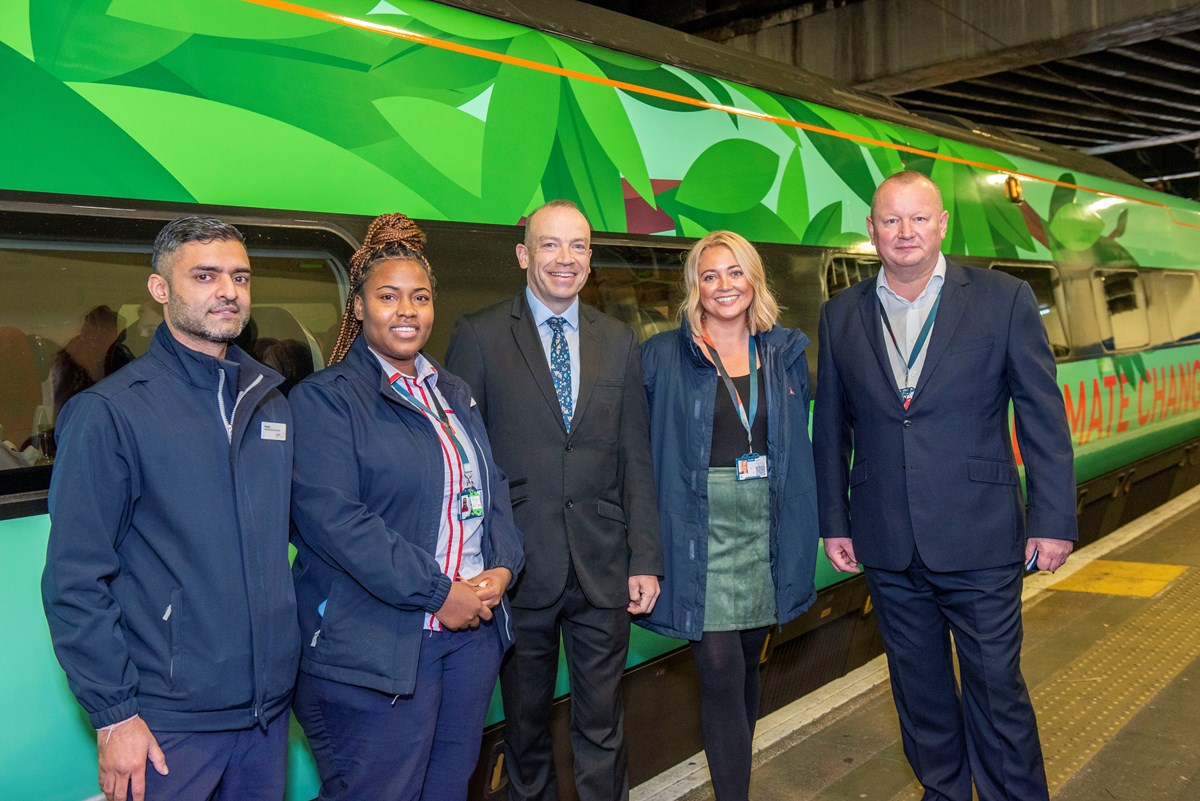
(728, 397)
(405, 545)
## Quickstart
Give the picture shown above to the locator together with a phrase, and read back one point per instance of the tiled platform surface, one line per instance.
(1111, 647)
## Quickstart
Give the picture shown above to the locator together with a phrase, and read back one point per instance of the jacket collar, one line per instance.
(364, 364)
(790, 342)
(956, 291)
(529, 343)
(200, 369)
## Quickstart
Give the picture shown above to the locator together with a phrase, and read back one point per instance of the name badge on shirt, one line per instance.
(752, 465)
(275, 431)
(470, 504)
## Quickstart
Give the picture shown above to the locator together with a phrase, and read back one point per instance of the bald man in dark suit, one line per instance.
(916, 373)
(559, 385)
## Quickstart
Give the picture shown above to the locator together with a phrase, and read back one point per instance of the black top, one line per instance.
(729, 436)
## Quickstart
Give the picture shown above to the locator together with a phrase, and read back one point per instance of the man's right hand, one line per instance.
(123, 751)
(840, 551)
(462, 608)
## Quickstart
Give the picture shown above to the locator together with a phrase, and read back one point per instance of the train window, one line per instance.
(1182, 293)
(1048, 290)
(72, 315)
(1120, 303)
(641, 286)
(843, 272)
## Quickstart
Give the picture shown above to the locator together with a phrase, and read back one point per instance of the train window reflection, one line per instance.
(1120, 302)
(639, 285)
(843, 272)
(72, 315)
(1048, 290)
(1182, 295)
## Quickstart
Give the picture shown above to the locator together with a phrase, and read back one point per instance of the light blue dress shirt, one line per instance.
(907, 319)
(571, 331)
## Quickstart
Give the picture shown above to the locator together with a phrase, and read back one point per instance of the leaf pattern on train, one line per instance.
(483, 119)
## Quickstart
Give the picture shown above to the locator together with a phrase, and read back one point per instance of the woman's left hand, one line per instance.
(490, 585)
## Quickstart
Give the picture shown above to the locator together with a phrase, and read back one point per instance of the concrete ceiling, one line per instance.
(1120, 80)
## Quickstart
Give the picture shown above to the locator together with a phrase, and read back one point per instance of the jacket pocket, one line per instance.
(518, 491)
(858, 473)
(610, 510)
(990, 471)
(174, 617)
(979, 343)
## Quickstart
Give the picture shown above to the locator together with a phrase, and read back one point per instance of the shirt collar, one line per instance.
(541, 313)
(931, 287)
(425, 369)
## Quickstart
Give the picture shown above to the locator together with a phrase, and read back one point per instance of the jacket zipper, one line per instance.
(238, 402)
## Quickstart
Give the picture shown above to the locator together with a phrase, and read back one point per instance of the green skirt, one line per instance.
(739, 593)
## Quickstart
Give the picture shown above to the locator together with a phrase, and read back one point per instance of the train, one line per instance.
(299, 121)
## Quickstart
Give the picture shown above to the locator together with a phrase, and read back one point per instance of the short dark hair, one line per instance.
(181, 231)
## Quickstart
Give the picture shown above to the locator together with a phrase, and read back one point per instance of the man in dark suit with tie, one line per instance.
(916, 372)
(559, 385)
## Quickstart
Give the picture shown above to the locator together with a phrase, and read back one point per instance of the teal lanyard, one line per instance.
(918, 345)
(746, 418)
(438, 413)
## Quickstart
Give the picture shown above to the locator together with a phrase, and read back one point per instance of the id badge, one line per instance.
(752, 465)
(470, 504)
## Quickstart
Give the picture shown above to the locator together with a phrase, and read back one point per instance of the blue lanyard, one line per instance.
(921, 337)
(747, 418)
(441, 416)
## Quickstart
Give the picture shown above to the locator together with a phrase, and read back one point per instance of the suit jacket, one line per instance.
(941, 476)
(586, 497)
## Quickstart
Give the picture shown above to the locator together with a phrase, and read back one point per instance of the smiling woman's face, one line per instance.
(395, 308)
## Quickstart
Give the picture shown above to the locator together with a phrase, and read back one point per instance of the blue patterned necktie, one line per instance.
(560, 367)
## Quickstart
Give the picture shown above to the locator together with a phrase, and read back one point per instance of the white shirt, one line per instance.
(571, 331)
(459, 544)
(906, 319)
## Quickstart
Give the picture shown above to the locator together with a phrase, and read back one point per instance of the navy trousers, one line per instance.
(424, 746)
(991, 733)
(246, 765)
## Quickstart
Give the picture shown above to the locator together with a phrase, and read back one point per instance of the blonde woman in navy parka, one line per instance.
(729, 402)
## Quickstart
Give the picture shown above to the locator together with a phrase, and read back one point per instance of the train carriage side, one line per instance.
(316, 116)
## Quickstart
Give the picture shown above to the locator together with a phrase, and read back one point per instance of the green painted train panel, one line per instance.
(362, 106)
(452, 116)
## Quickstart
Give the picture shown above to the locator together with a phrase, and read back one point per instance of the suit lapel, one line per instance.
(868, 309)
(589, 367)
(529, 343)
(956, 292)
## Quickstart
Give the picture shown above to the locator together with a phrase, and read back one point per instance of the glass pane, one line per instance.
(639, 285)
(844, 272)
(1048, 290)
(1182, 291)
(73, 316)
(1121, 309)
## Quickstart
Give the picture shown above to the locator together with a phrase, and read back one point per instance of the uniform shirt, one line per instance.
(459, 541)
(906, 319)
(571, 331)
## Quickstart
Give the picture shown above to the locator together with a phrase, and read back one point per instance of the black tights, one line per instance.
(727, 663)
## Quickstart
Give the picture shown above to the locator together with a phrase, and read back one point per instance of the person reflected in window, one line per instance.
(134, 339)
(289, 357)
(405, 544)
(729, 399)
(81, 362)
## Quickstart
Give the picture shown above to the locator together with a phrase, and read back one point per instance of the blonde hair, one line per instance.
(390, 237)
(764, 309)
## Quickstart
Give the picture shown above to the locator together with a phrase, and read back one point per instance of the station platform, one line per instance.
(1110, 657)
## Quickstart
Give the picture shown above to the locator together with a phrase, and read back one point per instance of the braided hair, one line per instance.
(390, 236)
